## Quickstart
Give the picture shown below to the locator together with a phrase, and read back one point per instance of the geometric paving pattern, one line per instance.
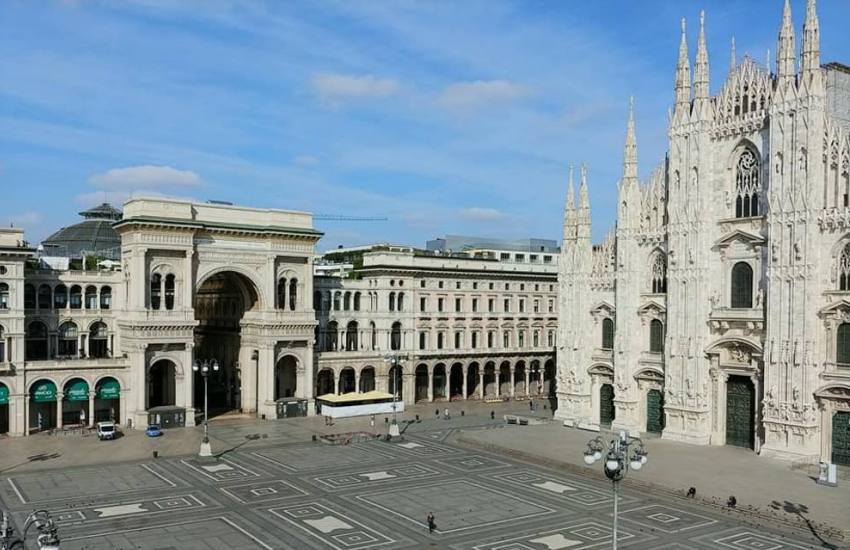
(281, 494)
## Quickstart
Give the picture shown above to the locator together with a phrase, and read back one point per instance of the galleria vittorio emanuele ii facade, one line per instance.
(718, 310)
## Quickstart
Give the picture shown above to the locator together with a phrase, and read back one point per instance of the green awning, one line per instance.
(44, 391)
(77, 390)
(109, 389)
(4, 394)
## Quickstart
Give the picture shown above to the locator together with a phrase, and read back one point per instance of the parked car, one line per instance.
(106, 430)
(153, 430)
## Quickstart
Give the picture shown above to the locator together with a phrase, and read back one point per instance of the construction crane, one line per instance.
(339, 218)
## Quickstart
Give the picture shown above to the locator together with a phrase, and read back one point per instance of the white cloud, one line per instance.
(332, 87)
(479, 214)
(145, 177)
(306, 160)
(464, 95)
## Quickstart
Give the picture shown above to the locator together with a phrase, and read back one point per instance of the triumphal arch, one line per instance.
(223, 284)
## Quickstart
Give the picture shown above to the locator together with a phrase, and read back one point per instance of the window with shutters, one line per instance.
(656, 336)
(607, 334)
(742, 285)
(842, 345)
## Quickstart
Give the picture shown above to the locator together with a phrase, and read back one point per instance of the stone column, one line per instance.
(59, 404)
(513, 387)
(26, 399)
(497, 373)
(826, 413)
(184, 384)
(187, 287)
(527, 381)
(92, 395)
(356, 381)
(481, 389)
(430, 385)
(465, 381)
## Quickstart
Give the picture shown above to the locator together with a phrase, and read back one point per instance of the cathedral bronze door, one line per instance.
(606, 404)
(654, 411)
(841, 438)
(740, 412)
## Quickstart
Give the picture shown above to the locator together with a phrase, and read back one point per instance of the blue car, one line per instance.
(154, 430)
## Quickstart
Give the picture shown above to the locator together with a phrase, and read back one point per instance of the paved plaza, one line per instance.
(278, 494)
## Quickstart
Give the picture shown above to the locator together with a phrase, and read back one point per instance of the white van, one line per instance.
(106, 430)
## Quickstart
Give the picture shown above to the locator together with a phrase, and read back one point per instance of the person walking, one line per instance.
(531, 404)
(431, 524)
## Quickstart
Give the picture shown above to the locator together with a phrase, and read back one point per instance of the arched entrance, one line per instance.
(346, 381)
(472, 376)
(367, 379)
(654, 411)
(42, 413)
(505, 379)
(740, 412)
(325, 382)
(519, 378)
(490, 379)
(107, 400)
(75, 402)
(285, 376)
(4, 408)
(162, 384)
(534, 378)
(221, 302)
(421, 382)
(439, 378)
(606, 404)
(456, 382)
(841, 438)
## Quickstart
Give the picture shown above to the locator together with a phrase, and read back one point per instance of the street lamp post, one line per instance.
(395, 360)
(617, 462)
(204, 367)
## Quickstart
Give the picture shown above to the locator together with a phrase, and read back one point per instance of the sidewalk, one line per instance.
(765, 487)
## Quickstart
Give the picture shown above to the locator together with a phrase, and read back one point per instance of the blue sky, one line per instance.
(445, 117)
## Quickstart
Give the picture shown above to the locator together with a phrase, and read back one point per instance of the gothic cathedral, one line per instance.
(718, 310)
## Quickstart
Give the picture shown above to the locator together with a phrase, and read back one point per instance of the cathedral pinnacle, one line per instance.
(683, 73)
(810, 61)
(733, 57)
(584, 202)
(701, 78)
(570, 191)
(786, 62)
(630, 152)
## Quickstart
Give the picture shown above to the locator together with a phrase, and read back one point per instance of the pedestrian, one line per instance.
(447, 413)
(372, 420)
(437, 414)
(431, 524)
(531, 404)
(732, 502)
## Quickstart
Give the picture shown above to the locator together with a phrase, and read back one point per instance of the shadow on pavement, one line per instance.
(40, 457)
(800, 510)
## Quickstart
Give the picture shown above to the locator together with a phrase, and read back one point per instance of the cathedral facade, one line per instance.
(718, 310)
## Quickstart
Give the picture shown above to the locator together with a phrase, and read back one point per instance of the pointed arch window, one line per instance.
(742, 285)
(392, 301)
(844, 269)
(659, 274)
(656, 336)
(842, 345)
(747, 185)
(607, 333)
(281, 294)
